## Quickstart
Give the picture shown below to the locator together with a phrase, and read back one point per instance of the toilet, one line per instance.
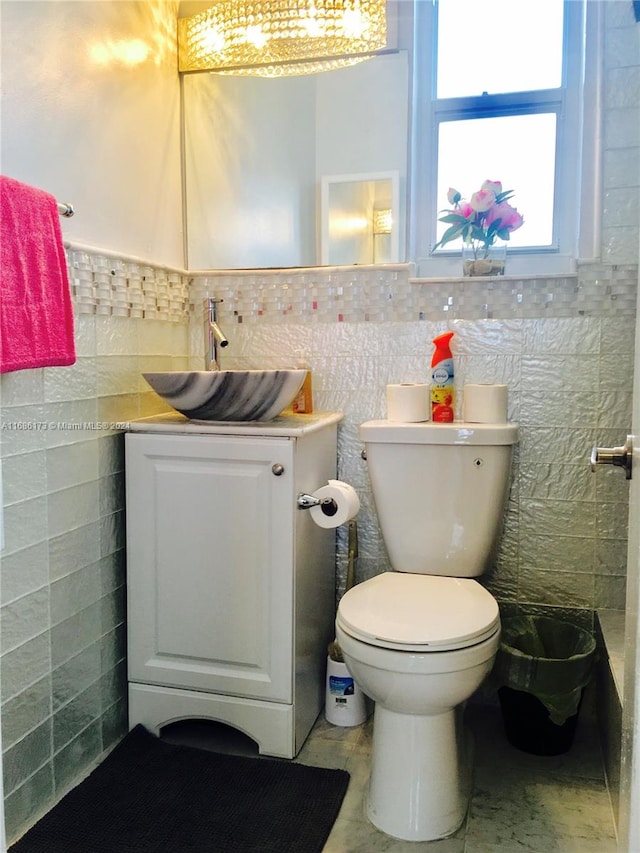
(420, 639)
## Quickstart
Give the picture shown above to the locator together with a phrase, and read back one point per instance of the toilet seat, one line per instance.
(419, 613)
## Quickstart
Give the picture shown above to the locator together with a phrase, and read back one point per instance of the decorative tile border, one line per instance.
(122, 287)
(113, 286)
(594, 291)
(382, 294)
(310, 294)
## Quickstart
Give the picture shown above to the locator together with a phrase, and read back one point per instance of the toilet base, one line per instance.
(420, 780)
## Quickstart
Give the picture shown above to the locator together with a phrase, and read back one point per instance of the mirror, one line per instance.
(359, 219)
(257, 150)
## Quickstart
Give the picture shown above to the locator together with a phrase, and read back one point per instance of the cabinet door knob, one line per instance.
(277, 469)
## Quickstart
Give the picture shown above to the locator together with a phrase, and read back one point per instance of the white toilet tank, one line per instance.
(440, 492)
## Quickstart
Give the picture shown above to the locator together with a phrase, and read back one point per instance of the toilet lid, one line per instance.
(419, 612)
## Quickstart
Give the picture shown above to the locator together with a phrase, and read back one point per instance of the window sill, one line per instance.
(487, 278)
(520, 264)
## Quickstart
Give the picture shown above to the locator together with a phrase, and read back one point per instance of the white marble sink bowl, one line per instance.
(228, 395)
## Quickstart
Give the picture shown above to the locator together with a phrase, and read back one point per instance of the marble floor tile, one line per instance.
(520, 803)
(358, 837)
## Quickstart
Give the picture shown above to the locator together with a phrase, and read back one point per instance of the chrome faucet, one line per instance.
(213, 335)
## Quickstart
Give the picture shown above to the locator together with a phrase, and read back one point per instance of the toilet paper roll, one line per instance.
(484, 404)
(345, 504)
(408, 402)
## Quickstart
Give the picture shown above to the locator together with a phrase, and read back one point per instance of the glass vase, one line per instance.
(484, 260)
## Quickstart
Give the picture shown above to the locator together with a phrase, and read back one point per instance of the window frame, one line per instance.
(578, 145)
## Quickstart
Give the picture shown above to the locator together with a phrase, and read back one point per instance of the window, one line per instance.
(498, 94)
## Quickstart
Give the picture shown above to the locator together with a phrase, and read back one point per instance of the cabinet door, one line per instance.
(210, 563)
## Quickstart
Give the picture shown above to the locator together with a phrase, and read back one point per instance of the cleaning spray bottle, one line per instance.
(442, 393)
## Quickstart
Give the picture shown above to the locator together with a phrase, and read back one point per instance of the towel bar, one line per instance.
(65, 209)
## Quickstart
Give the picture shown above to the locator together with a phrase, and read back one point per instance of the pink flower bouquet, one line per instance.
(487, 217)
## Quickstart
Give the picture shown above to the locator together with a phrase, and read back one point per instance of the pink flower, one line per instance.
(493, 186)
(482, 200)
(481, 221)
(508, 216)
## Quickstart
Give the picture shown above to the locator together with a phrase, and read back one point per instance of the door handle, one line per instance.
(619, 456)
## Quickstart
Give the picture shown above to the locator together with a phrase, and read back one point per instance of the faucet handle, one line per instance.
(209, 307)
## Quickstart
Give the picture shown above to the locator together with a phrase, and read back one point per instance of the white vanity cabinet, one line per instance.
(230, 586)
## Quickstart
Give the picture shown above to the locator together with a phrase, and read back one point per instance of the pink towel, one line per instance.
(36, 315)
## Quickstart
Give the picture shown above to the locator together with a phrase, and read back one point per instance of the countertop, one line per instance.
(289, 425)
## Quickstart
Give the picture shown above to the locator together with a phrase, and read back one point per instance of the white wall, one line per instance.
(362, 116)
(256, 150)
(250, 179)
(362, 122)
(83, 123)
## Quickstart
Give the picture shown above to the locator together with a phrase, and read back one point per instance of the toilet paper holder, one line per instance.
(305, 501)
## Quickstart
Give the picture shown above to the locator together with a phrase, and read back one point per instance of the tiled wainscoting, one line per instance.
(63, 566)
(610, 695)
(563, 346)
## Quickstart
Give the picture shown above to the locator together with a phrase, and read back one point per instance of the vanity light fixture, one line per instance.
(382, 221)
(277, 38)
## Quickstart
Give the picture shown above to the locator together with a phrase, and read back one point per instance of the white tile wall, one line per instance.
(62, 568)
(621, 135)
(564, 347)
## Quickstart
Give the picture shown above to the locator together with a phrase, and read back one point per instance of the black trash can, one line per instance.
(543, 666)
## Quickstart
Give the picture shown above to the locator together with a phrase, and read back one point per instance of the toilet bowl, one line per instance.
(419, 640)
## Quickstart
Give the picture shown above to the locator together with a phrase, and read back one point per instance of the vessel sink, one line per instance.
(228, 395)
